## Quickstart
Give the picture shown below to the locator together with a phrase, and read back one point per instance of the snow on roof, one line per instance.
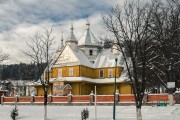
(82, 58)
(71, 57)
(107, 59)
(34, 83)
(99, 80)
(88, 38)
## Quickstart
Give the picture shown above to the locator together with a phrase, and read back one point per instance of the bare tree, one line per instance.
(165, 30)
(41, 54)
(130, 27)
(3, 56)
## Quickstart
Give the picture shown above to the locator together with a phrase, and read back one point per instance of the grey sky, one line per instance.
(21, 18)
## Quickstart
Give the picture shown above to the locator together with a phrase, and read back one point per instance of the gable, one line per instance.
(67, 56)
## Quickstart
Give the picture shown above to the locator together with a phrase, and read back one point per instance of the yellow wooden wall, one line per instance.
(125, 88)
(85, 72)
(105, 89)
(81, 88)
(86, 88)
(65, 71)
(75, 88)
(97, 72)
(40, 91)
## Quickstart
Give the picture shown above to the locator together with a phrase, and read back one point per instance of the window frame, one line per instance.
(101, 70)
(71, 72)
(60, 72)
(110, 75)
(90, 52)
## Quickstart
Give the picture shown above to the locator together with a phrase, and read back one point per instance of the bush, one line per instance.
(85, 114)
(14, 113)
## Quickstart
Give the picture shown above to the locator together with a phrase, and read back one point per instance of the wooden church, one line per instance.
(81, 64)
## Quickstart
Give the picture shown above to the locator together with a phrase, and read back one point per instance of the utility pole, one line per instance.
(114, 107)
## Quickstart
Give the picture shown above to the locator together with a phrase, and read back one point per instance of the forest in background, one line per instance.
(19, 71)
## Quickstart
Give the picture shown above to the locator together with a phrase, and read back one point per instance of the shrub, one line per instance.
(14, 113)
(85, 114)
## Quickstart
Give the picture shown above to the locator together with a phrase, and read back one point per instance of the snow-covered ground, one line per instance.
(103, 112)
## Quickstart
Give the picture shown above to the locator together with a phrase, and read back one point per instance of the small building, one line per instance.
(82, 64)
(15, 87)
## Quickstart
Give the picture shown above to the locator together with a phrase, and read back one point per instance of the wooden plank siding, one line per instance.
(85, 71)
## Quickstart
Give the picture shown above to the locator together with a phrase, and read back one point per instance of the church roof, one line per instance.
(72, 37)
(88, 39)
(70, 57)
(106, 58)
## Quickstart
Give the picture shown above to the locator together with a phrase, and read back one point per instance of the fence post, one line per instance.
(69, 97)
(91, 98)
(145, 98)
(117, 97)
(32, 99)
(16, 99)
(2, 99)
(171, 99)
(49, 98)
(177, 93)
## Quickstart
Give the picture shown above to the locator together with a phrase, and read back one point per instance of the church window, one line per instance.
(101, 73)
(110, 73)
(59, 72)
(90, 52)
(70, 71)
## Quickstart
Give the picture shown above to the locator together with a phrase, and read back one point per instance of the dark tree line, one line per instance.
(18, 71)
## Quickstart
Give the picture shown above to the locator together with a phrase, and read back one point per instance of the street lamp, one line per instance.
(114, 107)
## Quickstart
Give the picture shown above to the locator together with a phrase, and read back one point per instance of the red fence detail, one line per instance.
(38, 99)
(24, 99)
(105, 98)
(157, 97)
(126, 98)
(81, 98)
(9, 99)
(59, 99)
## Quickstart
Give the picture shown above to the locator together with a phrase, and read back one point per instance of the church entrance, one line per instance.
(61, 89)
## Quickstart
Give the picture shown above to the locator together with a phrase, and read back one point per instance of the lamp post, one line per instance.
(114, 107)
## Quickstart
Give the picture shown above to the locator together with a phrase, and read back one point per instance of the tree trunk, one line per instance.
(45, 105)
(138, 113)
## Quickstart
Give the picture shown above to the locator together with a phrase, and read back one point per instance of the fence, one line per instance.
(150, 98)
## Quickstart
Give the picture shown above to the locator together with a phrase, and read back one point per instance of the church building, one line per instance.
(81, 64)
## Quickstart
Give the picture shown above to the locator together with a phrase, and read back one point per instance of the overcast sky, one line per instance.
(20, 19)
